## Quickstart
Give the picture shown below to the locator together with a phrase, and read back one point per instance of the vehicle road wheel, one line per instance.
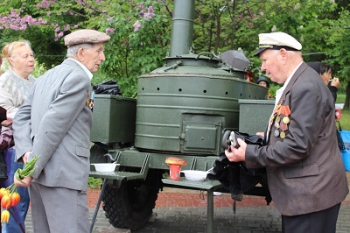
(131, 205)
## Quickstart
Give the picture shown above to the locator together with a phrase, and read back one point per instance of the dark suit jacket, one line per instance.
(54, 122)
(305, 171)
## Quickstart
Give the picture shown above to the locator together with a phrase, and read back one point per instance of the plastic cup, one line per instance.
(175, 171)
(338, 113)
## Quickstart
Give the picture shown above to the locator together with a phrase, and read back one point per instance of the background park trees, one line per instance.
(140, 30)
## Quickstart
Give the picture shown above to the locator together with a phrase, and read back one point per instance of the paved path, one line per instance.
(263, 219)
(184, 211)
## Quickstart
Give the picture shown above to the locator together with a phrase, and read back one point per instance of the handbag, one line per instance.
(344, 137)
(6, 141)
(3, 167)
(339, 137)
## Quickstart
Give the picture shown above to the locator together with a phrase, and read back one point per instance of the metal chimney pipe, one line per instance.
(182, 29)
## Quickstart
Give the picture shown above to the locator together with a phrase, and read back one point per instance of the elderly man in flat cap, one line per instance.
(54, 123)
(306, 176)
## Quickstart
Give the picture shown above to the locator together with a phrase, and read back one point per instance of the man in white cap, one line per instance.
(306, 176)
(54, 123)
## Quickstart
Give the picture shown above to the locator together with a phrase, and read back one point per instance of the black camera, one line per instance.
(229, 139)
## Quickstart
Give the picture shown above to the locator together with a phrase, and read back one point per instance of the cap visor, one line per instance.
(259, 51)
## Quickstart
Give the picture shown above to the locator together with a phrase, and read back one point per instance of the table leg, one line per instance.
(98, 205)
(210, 212)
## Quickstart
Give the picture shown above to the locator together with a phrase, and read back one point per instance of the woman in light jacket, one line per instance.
(15, 85)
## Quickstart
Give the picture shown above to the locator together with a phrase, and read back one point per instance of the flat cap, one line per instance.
(85, 36)
(277, 41)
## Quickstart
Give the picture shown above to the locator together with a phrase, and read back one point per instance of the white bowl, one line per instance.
(105, 167)
(194, 175)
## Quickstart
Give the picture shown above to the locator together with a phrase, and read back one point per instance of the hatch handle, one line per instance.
(173, 66)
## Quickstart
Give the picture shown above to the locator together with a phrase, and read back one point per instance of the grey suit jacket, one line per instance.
(305, 170)
(54, 122)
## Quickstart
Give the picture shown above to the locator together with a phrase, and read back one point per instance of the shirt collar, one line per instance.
(280, 91)
(89, 74)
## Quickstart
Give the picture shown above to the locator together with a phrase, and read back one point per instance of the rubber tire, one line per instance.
(131, 205)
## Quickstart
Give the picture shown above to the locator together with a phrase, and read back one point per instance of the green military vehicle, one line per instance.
(182, 110)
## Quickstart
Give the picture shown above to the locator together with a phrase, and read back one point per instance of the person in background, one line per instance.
(305, 171)
(15, 86)
(325, 71)
(54, 123)
(262, 81)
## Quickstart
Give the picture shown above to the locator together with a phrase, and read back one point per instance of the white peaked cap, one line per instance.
(277, 40)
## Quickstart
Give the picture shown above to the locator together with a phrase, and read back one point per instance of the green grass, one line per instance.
(341, 98)
(94, 183)
(345, 119)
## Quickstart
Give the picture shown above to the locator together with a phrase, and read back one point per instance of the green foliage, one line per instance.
(129, 53)
(94, 183)
(339, 41)
(273, 88)
(340, 98)
(344, 120)
(219, 25)
(51, 54)
(39, 70)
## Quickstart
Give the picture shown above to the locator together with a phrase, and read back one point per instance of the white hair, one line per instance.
(290, 52)
(73, 50)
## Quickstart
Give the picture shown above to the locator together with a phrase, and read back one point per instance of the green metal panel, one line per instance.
(200, 137)
(131, 157)
(196, 64)
(113, 119)
(254, 115)
(201, 133)
(164, 97)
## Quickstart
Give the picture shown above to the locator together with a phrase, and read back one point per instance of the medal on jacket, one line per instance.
(90, 100)
(283, 124)
(280, 120)
(274, 117)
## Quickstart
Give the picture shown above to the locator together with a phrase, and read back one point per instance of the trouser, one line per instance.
(19, 212)
(57, 209)
(323, 221)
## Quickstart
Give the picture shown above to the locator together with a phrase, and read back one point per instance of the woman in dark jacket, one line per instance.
(325, 71)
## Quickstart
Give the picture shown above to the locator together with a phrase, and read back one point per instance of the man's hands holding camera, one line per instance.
(235, 151)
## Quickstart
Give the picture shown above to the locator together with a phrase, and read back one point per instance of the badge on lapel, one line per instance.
(280, 120)
(90, 100)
